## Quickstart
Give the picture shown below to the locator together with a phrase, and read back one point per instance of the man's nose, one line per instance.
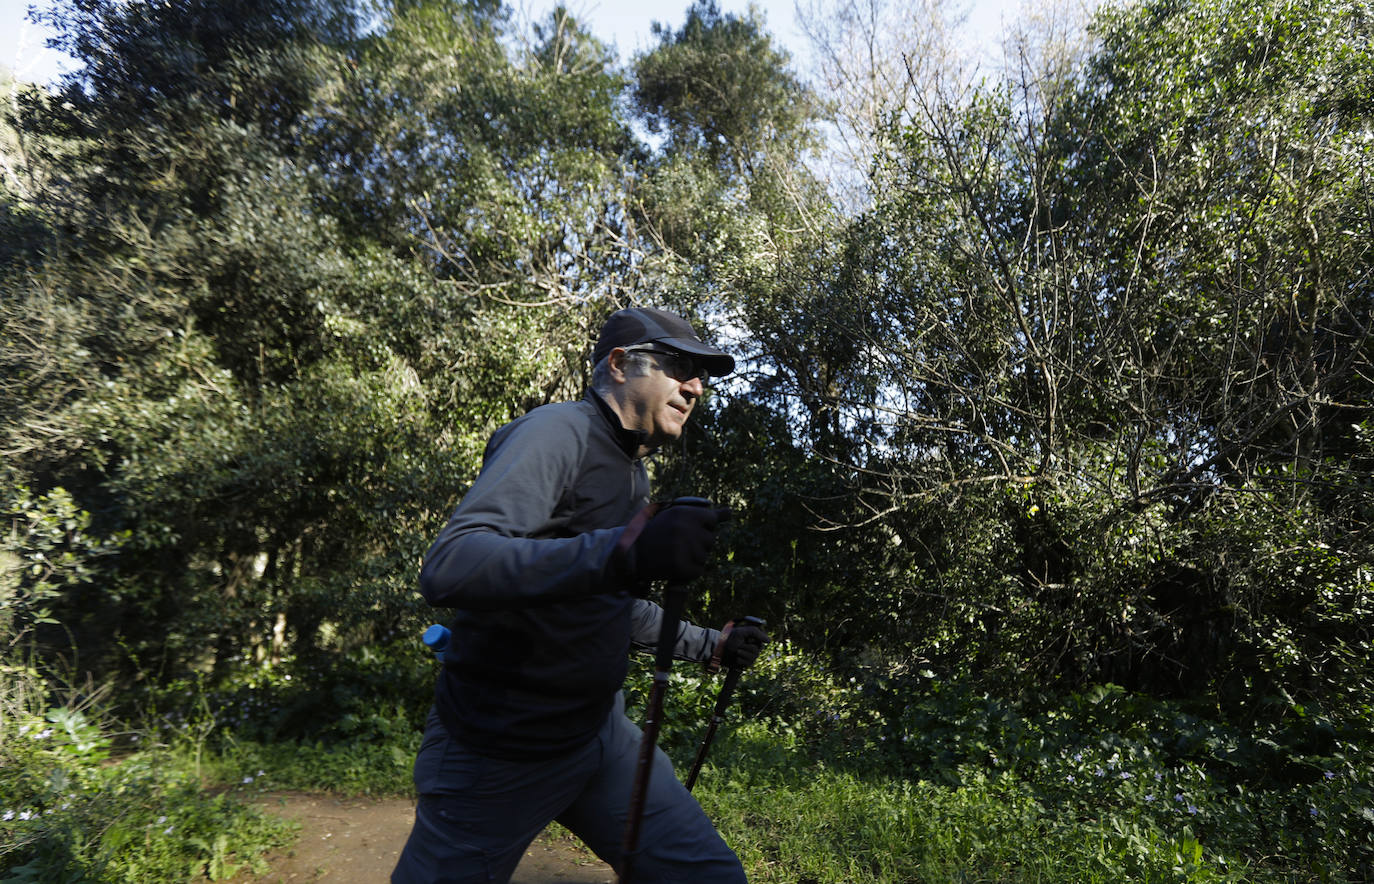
(694, 386)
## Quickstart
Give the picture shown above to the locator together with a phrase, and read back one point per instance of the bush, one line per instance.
(1105, 785)
(70, 811)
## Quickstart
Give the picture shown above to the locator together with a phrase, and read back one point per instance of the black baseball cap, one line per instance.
(647, 325)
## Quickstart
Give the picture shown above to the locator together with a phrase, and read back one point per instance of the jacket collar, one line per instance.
(630, 441)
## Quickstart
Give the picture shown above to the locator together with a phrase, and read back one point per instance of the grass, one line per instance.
(354, 768)
(811, 823)
(831, 780)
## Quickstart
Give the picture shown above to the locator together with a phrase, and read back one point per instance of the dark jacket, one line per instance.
(545, 620)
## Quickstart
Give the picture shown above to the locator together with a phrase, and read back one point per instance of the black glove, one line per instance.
(675, 543)
(742, 646)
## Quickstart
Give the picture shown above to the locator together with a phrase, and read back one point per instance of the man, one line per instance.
(547, 566)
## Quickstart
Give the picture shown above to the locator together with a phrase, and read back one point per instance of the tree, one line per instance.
(872, 57)
(269, 341)
(506, 176)
(1076, 373)
(746, 234)
(193, 346)
(717, 87)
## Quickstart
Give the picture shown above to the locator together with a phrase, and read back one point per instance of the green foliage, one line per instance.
(348, 767)
(889, 776)
(275, 334)
(1059, 418)
(137, 822)
(71, 809)
(272, 336)
(1108, 786)
(331, 699)
(883, 777)
(719, 88)
(502, 177)
(47, 549)
(1237, 178)
(251, 402)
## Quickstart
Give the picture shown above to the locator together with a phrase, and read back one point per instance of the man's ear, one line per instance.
(615, 361)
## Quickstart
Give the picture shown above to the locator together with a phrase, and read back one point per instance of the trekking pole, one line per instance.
(722, 701)
(674, 601)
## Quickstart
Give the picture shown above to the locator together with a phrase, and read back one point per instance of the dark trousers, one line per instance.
(476, 815)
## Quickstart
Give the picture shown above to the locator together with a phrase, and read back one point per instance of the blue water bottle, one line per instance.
(437, 638)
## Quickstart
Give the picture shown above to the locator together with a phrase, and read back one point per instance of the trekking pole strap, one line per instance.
(713, 665)
(635, 527)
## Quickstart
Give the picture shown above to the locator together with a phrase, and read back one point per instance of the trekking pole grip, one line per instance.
(674, 603)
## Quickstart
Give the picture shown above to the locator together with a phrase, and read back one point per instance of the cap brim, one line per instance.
(717, 362)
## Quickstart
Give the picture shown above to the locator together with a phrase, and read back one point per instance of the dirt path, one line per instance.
(357, 840)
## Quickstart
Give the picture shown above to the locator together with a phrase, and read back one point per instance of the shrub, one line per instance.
(70, 811)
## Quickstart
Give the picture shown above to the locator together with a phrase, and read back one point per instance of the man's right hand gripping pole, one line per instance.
(676, 542)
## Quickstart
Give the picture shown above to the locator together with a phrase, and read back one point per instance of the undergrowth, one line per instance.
(75, 810)
(893, 779)
(869, 779)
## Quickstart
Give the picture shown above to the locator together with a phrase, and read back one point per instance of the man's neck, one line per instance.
(635, 442)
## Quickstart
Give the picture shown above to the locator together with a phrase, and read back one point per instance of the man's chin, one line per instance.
(666, 434)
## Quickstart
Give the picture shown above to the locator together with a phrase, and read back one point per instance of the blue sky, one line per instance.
(626, 23)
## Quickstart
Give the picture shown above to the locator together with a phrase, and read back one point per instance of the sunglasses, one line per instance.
(678, 366)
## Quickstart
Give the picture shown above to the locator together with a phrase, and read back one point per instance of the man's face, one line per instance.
(660, 400)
